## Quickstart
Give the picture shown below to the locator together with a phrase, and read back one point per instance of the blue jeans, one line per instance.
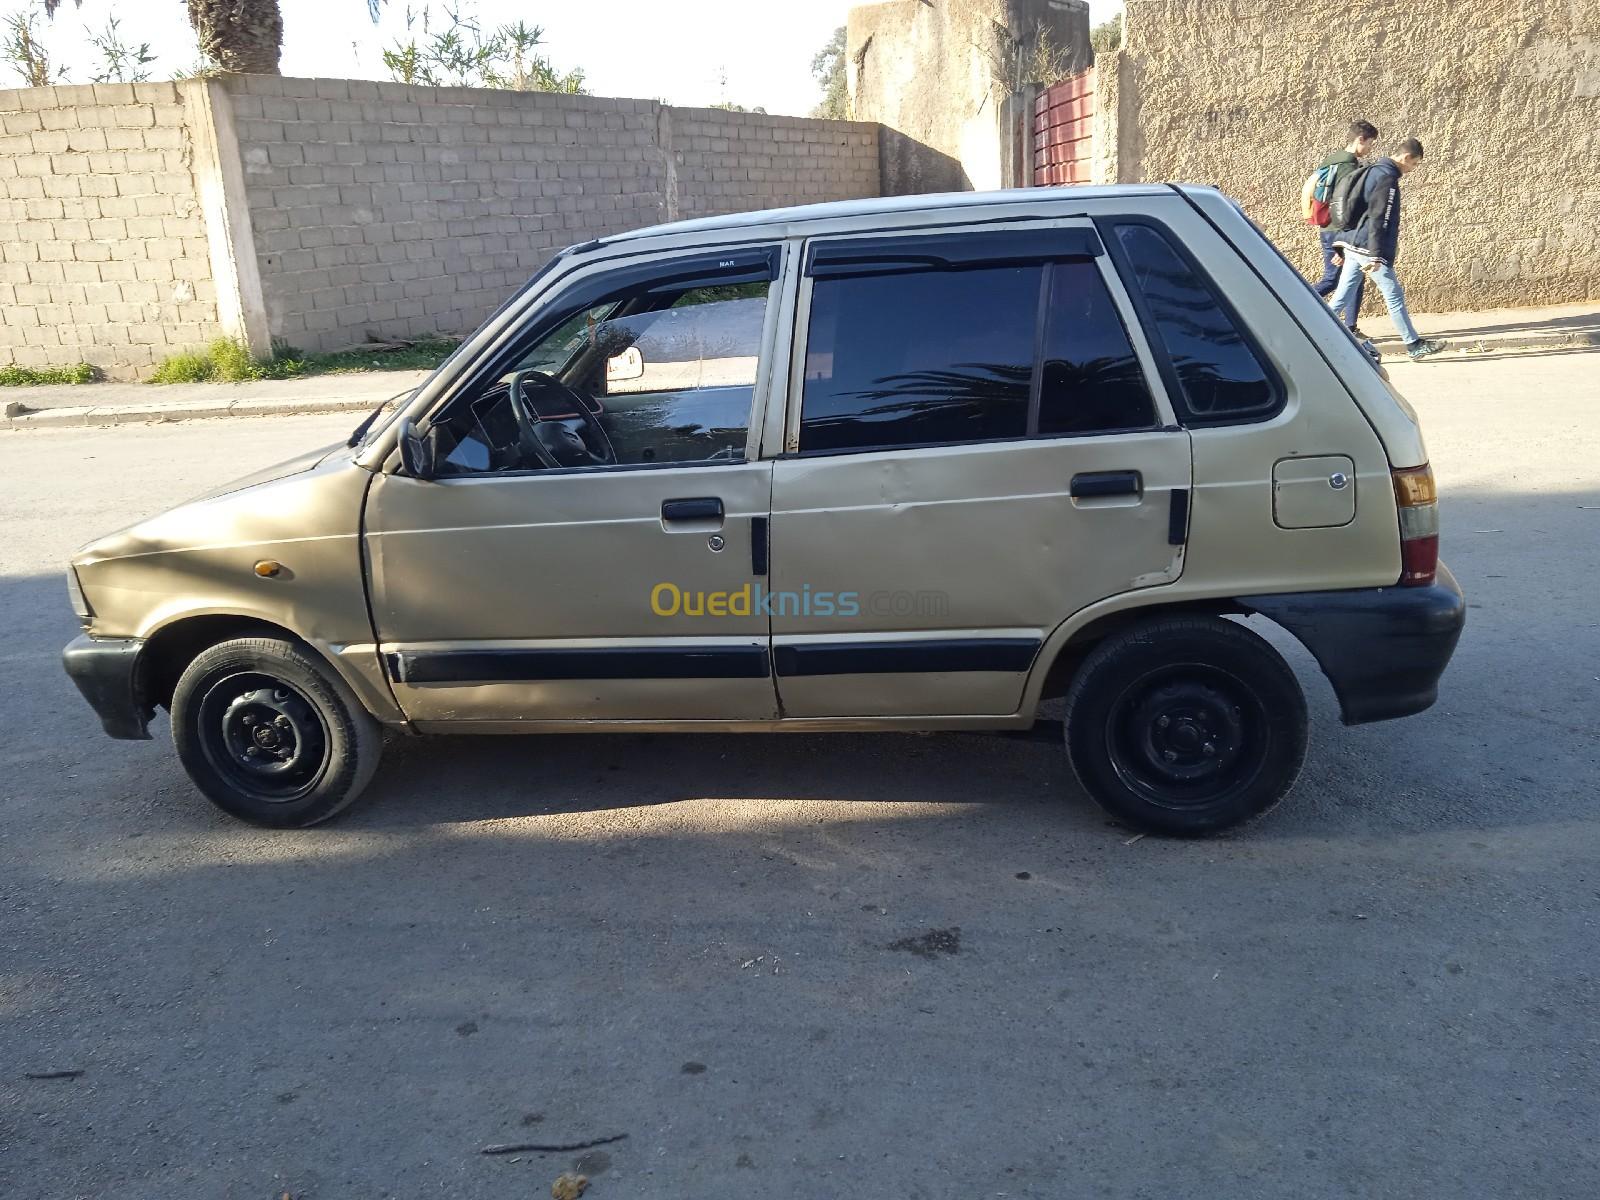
(1330, 273)
(1389, 288)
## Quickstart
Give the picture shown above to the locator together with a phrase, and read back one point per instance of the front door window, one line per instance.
(660, 374)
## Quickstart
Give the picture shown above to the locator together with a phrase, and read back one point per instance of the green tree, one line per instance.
(833, 77)
(518, 68)
(120, 61)
(22, 51)
(461, 54)
(1107, 36)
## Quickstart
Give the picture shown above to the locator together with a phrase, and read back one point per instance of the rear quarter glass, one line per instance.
(1385, 409)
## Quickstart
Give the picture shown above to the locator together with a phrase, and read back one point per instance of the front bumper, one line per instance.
(106, 671)
(1383, 649)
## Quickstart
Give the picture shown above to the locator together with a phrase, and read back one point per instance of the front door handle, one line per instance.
(1095, 484)
(698, 508)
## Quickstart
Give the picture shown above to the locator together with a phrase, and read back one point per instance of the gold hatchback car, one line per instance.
(903, 464)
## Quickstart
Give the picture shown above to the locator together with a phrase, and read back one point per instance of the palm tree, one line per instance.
(237, 35)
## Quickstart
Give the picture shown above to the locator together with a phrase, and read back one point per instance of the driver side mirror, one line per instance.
(416, 452)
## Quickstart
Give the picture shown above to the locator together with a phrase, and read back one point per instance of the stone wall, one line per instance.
(105, 255)
(1503, 94)
(386, 209)
(137, 220)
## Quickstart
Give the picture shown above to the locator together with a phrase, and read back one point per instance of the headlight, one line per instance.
(80, 603)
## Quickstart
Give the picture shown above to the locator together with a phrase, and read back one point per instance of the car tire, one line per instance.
(271, 735)
(1185, 725)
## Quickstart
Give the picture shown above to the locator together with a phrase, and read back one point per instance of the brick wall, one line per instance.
(387, 209)
(105, 256)
(1504, 94)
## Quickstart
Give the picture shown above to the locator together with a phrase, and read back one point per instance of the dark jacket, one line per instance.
(1377, 232)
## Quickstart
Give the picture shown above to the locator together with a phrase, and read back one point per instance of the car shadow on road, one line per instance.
(428, 781)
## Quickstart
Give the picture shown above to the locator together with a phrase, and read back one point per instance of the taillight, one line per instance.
(1418, 501)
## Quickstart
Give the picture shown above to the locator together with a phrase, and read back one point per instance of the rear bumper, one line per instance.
(106, 672)
(1383, 649)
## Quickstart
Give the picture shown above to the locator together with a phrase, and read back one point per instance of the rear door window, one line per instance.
(1090, 381)
(1221, 377)
(919, 358)
(967, 352)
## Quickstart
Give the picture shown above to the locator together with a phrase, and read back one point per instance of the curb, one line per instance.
(1459, 343)
(181, 410)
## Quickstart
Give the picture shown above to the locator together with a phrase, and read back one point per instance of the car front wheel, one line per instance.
(270, 735)
(1186, 725)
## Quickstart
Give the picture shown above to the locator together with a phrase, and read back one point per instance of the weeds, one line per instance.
(226, 361)
(44, 376)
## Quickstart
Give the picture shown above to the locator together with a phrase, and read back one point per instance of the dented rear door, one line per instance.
(978, 446)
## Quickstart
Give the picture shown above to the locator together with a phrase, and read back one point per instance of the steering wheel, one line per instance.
(548, 440)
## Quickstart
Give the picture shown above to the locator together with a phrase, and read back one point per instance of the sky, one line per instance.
(691, 52)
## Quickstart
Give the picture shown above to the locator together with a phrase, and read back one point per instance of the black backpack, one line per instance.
(1348, 204)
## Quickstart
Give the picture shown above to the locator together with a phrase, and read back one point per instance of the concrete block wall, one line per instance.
(391, 209)
(388, 209)
(141, 219)
(731, 162)
(103, 248)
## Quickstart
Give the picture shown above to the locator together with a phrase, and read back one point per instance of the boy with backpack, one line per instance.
(1317, 195)
(1366, 209)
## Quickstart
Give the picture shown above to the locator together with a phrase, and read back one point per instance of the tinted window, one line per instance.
(1221, 377)
(926, 357)
(1091, 381)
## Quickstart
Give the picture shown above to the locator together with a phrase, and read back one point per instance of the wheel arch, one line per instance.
(1074, 638)
(169, 650)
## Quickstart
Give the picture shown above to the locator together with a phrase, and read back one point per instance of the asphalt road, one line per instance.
(896, 966)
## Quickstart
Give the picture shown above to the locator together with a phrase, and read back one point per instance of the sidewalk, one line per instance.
(1496, 331)
(1500, 329)
(143, 403)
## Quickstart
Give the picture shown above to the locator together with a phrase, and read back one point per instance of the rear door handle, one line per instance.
(1095, 484)
(697, 508)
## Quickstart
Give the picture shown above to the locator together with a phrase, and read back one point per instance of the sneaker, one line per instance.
(1423, 348)
(1366, 344)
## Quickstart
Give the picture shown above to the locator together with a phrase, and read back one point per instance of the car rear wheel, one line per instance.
(1186, 725)
(270, 735)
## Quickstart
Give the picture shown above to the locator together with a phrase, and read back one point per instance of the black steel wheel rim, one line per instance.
(263, 736)
(1185, 736)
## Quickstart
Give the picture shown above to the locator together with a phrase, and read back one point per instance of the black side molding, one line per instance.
(902, 658)
(611, 662)
(1383, 649)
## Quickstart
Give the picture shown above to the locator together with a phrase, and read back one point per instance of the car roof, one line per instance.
(963, 204)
